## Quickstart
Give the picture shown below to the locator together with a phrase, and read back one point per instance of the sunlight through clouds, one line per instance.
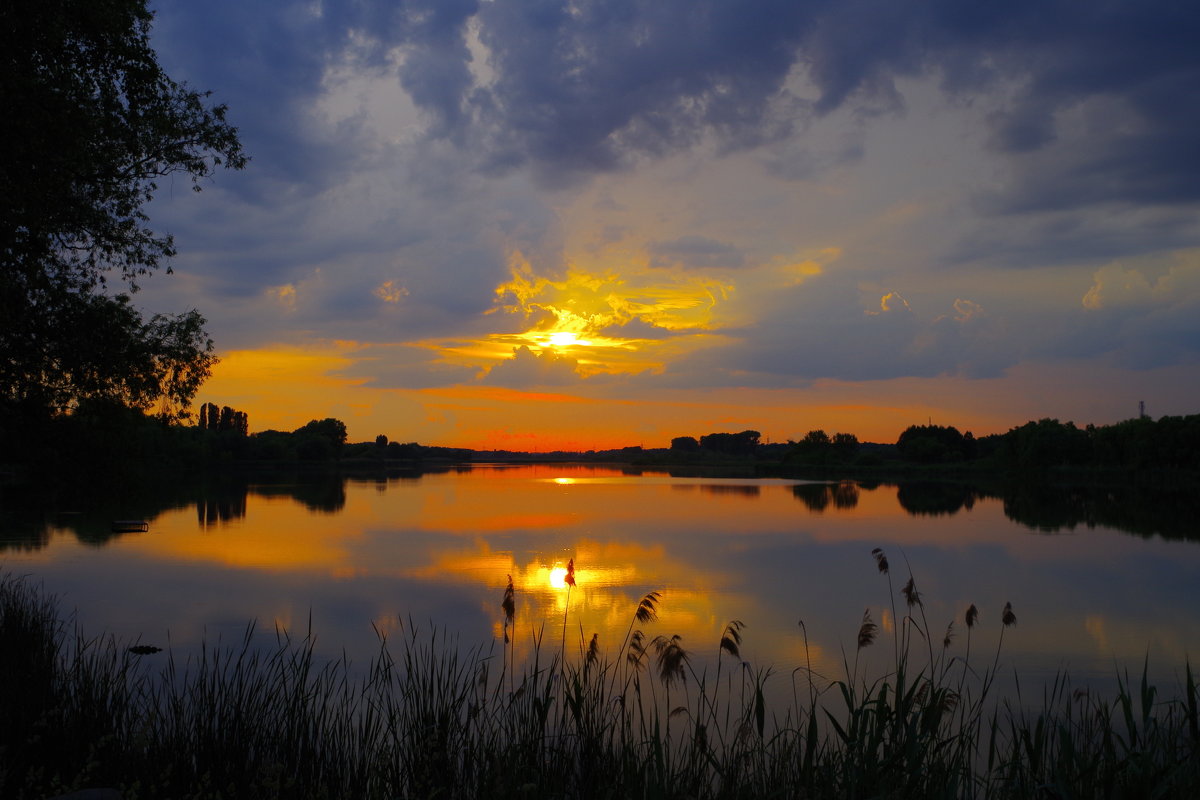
(585, 324)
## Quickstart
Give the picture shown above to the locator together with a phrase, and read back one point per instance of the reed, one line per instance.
(263, 717)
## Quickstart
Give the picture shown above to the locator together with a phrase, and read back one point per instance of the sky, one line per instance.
(545, 225)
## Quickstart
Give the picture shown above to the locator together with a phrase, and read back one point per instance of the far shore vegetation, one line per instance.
(108, 434)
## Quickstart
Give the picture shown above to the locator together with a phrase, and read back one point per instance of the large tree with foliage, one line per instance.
(90, 125)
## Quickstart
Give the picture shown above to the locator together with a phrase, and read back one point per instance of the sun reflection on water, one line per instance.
(440, 551)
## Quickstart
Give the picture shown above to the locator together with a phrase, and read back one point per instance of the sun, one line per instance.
(562, 339)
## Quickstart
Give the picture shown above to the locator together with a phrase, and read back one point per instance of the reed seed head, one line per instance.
(671, 659)
(949, 635)
(1008, 617)
(880, 560)
(867, 631)
(509, 603)
(732, 638)
(570, 579)
(911, 595)
(636, 653)
(593, 651)
(971, 616)
(647, 610)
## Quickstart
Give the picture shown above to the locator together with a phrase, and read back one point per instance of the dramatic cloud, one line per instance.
(638, 196)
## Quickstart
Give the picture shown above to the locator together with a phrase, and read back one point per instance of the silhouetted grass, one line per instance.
(429, 717)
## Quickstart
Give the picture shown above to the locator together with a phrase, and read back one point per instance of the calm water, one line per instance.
(1095, 579)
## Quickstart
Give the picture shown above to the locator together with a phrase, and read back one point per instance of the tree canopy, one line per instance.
(91, 124)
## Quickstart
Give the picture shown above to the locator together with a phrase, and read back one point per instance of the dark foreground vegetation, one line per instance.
(428, 718)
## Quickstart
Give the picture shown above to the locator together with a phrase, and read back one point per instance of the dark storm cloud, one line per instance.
(266, 61)
(582, 87)
(435, 71)
(1128, 69)
(1076, 237)
(589, 86)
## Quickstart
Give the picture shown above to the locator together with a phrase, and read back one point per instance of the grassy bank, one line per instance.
(428, 717)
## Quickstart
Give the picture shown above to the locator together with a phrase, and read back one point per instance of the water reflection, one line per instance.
(1167, 511)
(27, 522)
(933, 499)
(819, 496)
(359, 553)
(749, 491)
(223, 506)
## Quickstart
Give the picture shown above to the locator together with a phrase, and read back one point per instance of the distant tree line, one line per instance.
(383, 450)
(744, 444)
(1143, 443)
(817, 447)
(225, 437)
(1171, 443)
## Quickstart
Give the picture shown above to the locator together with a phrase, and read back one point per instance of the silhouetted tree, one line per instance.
(846, 444)
(818, 448)
(734, 444)
(1047, 443)
(816, 439)
(685, 444)
(223, 419)
(931, 444)
(91, 123)
(320, 440)
(408, 452)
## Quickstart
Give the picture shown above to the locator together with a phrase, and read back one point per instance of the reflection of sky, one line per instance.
(437, 551)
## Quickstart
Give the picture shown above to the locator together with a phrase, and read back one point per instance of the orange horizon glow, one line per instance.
(283, 388)
(597, 338)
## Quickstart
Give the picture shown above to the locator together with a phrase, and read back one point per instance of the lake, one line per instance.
(1097, 579)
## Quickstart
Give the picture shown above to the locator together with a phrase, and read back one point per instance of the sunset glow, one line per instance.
(564, 339)
(855, 244)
